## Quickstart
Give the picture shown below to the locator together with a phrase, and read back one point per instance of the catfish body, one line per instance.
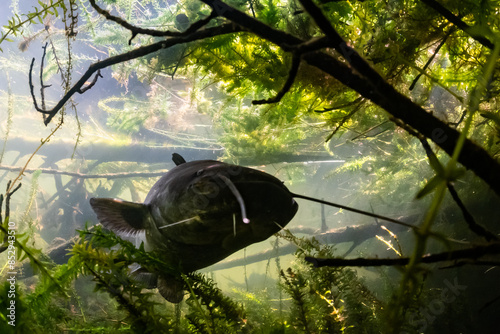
(197, 214)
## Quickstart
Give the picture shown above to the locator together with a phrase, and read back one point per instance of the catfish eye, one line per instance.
(199, 172)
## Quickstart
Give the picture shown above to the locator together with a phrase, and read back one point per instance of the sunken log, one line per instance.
(103, 151)
(356, 234)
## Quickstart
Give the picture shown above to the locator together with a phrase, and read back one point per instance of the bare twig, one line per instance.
(8, 195)
(42, 86)
(341, 106)
(448, 34)
(362, 212)
(86, 176)
(90, 85)
(35, 103)
(359, 76)
(364, 133)
(151, 32)
(344, 119)
(458, 22)
(139, 52)
(462, 117)
(473, 225)
(43, 141)
(288, 84)
(471, 222)
(468, 253)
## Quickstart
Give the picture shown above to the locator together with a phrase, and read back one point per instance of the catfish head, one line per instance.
(199, 213)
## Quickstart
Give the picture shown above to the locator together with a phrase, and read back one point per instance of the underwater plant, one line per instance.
(404, 93)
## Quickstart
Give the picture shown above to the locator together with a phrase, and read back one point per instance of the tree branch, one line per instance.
(137, 53)
(351, 55)
(8, 195)
(151, 32)
(90, 85)
(54, 111)
(288, 84)
(360, 77)
(86, 176)
(468, 253)
(458, 22)
(367, 82)
(473, 225)
(429, 61)
(42, 86)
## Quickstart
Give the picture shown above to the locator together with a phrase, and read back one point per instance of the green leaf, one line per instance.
(495, 117)
(456, 174)
(435, 164)
(430, 186)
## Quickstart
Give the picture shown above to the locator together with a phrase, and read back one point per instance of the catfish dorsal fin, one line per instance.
(122, 217)
(178, 159)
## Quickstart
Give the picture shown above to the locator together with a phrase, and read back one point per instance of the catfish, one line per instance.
(197, 214)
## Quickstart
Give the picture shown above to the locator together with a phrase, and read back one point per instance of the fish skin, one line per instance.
(196, 194)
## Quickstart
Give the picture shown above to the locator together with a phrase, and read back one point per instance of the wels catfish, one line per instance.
(197, 214)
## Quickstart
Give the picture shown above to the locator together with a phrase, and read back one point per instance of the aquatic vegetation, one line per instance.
(403, 92)
(327, 300)
(334, 300)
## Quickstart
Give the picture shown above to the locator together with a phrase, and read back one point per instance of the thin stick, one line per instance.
(472, 253)
(366, 213)
(32, 155)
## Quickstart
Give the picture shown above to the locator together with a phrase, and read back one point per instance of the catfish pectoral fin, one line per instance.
(122, 217)
(172, 289)
(144, 277)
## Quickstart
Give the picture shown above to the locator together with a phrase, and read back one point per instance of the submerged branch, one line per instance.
(137, 53)
(471, 222)
(86, 176)
(472, 253)
(473, 225)
(151, 32)
(8, 195)
(43, 141)
(429, 61)
(458, 23)
(288, 84)
(356, 74)
(42, 85)
(365, 80)
(357, 234)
